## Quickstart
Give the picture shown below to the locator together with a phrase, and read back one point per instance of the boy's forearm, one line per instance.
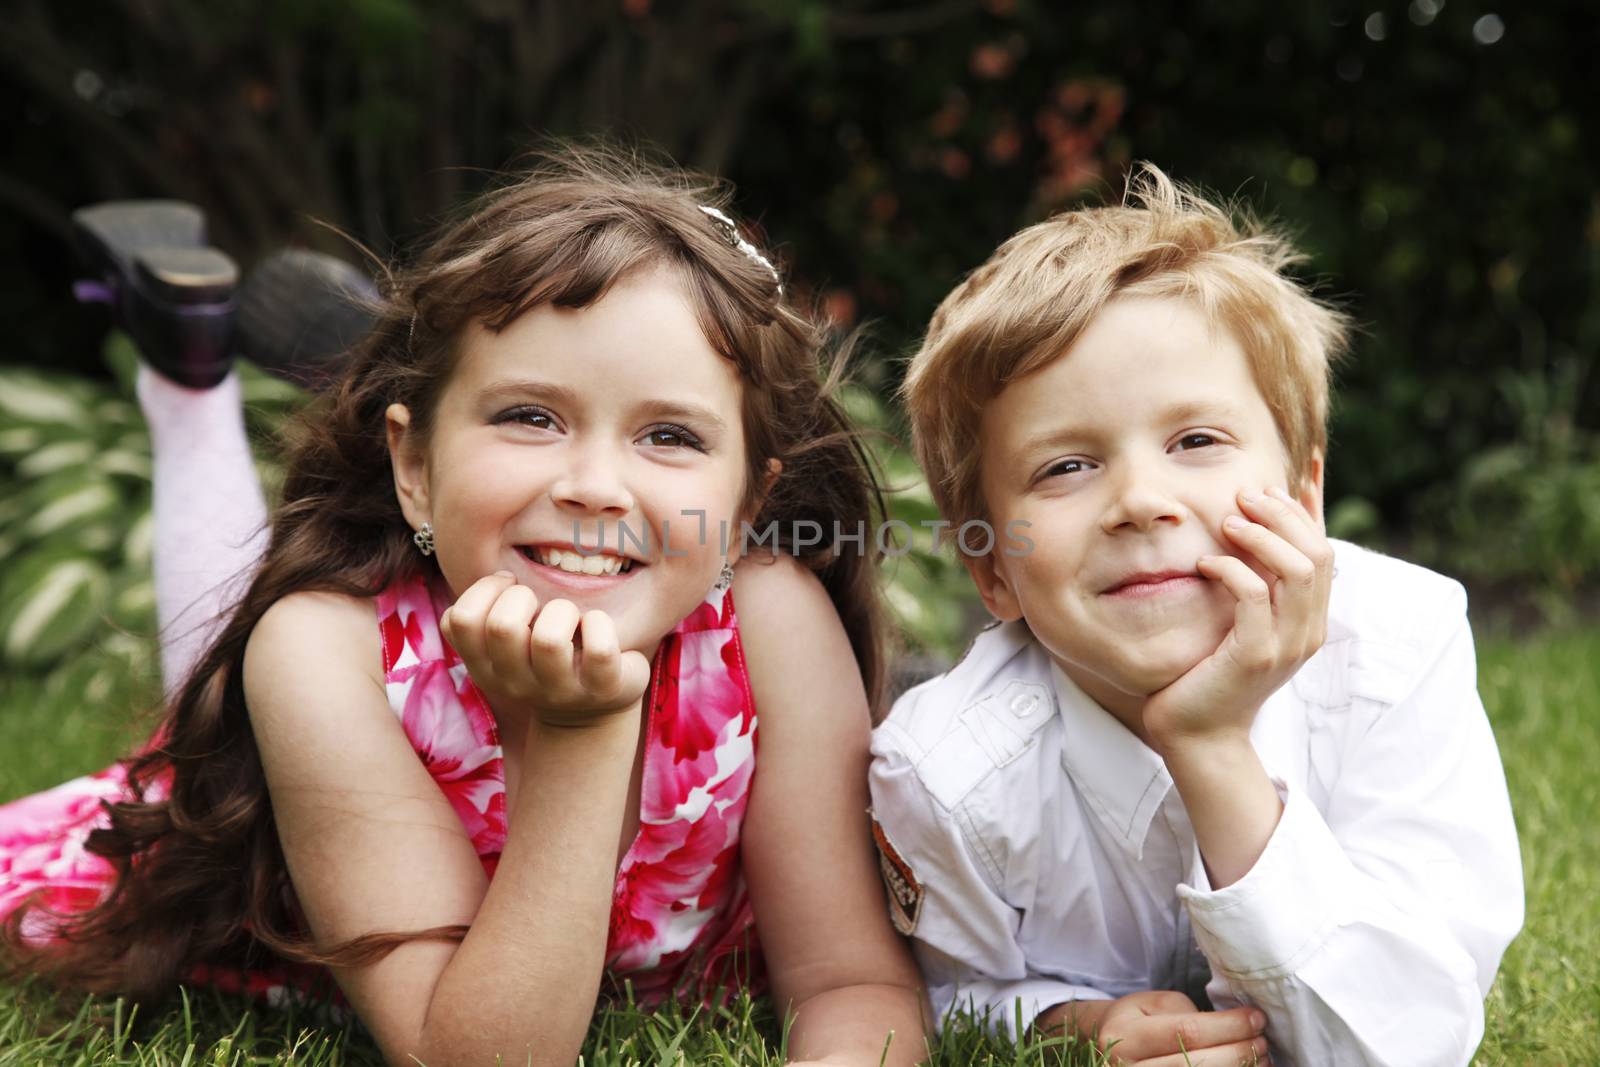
(1232, 803)
(851, 1026)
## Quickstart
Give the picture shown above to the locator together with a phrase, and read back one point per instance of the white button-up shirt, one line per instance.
(1041, 854)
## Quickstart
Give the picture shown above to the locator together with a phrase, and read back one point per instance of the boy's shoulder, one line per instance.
(1387, 621)
(990, 704)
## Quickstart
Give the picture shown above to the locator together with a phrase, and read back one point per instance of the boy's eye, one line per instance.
(1195, 440)
(672, 437)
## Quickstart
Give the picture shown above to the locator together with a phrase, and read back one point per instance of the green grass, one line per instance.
(1543, 695)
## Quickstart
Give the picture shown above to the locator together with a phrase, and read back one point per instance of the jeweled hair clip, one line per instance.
(730, 233)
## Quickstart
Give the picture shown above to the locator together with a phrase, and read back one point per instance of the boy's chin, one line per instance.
(1147, 676)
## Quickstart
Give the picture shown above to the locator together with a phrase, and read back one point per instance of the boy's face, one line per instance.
(1124, 456)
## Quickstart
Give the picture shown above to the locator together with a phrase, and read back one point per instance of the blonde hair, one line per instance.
(1030, 301)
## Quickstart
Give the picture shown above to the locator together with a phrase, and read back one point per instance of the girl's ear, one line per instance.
(409, 464)
(994, 585)
(1310, 494)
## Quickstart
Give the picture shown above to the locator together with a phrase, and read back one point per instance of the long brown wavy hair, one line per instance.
(201, 878)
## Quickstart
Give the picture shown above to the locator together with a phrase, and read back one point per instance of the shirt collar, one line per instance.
(1123, 780)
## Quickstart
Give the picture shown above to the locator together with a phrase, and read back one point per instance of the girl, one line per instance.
(480, 735)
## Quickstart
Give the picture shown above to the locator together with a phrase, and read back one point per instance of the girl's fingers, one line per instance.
(551, 647)
(635, 675)
(1252, 615)
(600, 661)
(463, 622)
(506, 631)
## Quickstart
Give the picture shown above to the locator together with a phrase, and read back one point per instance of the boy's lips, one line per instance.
(1152, 583)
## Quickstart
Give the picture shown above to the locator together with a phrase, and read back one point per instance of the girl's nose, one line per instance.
(592, 486)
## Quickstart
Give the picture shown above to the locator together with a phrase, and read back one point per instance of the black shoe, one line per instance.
(169, 290)
(301, 312)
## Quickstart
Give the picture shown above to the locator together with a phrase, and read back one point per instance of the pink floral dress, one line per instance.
(680, 918)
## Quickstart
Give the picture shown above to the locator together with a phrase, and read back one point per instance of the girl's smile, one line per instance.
(577, 448)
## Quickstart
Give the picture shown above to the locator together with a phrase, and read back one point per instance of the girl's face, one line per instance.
(614, 427)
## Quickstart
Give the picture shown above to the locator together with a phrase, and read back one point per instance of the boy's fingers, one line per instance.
(600, 661)
(1297, 573)
(506, 631)
(1288, 518)
(1297, 505)
(1233, 1054)
(1165, 1002)
(1192, 1031)
(551, 643)
(1252, 616)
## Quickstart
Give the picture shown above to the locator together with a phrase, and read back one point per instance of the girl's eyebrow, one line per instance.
(506, 389)
(516, 388)
(684, 411)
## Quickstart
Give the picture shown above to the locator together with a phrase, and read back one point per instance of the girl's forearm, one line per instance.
(861, 1026)
(524, 981)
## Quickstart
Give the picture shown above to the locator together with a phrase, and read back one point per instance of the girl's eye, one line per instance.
(538, 418)
(1195, 440)
(1066, 466)
(672, 437)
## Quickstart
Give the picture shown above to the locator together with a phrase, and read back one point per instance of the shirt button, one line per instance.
(1022, 705)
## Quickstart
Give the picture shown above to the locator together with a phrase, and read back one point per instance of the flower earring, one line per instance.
(424, 539)
(725, 579)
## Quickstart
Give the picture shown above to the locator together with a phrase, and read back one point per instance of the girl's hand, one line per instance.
(525, 657)
(1279, 623)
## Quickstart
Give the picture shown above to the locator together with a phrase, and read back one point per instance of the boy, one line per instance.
(1207, 752)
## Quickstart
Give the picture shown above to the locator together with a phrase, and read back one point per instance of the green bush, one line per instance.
(76, 598)
(76, 527)
(1526, 512)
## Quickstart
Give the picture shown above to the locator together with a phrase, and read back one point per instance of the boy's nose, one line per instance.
(1140, 501)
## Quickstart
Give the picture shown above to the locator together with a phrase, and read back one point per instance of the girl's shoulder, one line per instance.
(790, 632)
(773, 587)
(309, 637)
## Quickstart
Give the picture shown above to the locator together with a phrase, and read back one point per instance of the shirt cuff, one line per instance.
(1270, 921)
(1000, 1005)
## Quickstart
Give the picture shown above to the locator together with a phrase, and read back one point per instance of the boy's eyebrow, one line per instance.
(679, 409)
(1199, 410)
(1176, 412)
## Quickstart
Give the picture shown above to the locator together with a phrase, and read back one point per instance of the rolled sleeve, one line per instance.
(1284, 908)
(1404, 889)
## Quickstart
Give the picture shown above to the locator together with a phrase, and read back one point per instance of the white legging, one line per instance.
(210, 515)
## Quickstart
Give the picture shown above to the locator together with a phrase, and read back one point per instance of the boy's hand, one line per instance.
(1162, 1028)
(1279, 622)
(524, 657)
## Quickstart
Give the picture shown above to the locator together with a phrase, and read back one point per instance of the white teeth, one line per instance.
(578, 563)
